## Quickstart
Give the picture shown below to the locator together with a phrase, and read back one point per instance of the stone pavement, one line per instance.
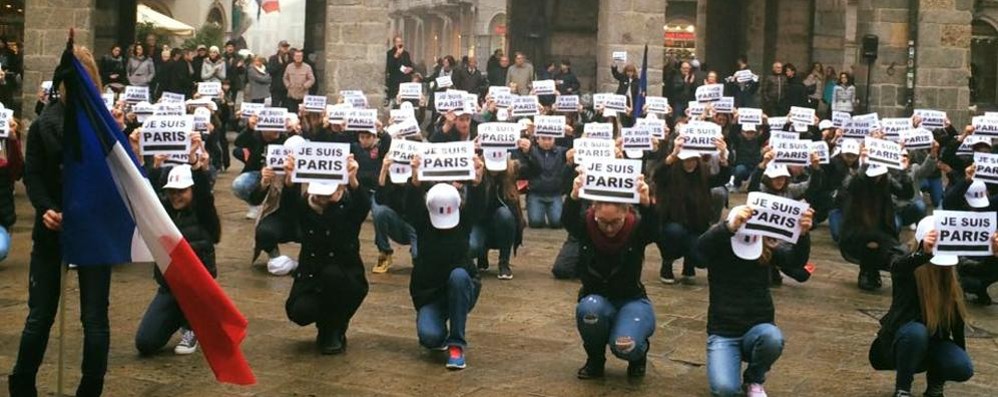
(522, 333)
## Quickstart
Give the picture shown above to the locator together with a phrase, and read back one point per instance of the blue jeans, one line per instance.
(544, 210)
(245, 184)
(432, 318)
(625, 325)
(917, 352)
(162, 319)
(4, 243)
(677, 242)
(759, 347)
(835, 223)
(935, 188)
(742, 173)
(499, 233)
(911, 213)
(389, 226)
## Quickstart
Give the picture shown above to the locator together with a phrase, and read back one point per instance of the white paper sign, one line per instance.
(792, 152)
(210, 89)
(166, 135)
(657, 104)
(931, 119)
(611, 180)
(699, 137)
(356, 100)
(567, 104)
(620, 56)
(411, 91)
(544, 87)
(400, 115)
(598, 131)
(821, 148)
(599, 99)
(725, 105)
(276, 156)
(524, 106)
(314, 103)
(136, 94)
(696, 109)
(616, 102)
(143, 110)
(108, 98)
(321, 162)
(498, 135)
(916, 138)
(202, 118)
(362, 120)
(272, 119)
(172, 97)
(5, 116)
(841, 119)
(444, 82)
(636, 139)
(801, 115)
(709, 92)
(655, 127)
(250, 109)
(452, 161)
(169, 109)
(985, 125)
(744, 76)
(406, 128)
(338, 113)
(402, 151)
(986, 167)
(774, 216)
(883, 152)
(749, 116)
(892, 127)
(861, 126)
(447, 101)
(593, 149)
(964, 233)
(549, 126)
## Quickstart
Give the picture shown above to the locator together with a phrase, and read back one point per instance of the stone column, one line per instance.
(829, 33)
(888, 19)
(46, 27)
(628, 26)
(355, 48)
(944, 58)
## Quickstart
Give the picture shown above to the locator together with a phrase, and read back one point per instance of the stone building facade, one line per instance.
(943, 39)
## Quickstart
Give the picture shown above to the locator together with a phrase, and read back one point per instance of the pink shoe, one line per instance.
(755, 390)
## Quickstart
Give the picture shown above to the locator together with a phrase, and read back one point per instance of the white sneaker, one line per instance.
(188, 342)
(755, 390)
(253, 212)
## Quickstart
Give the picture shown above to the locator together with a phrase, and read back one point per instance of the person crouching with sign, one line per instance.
(924, 329)
(683, 194)
(613, 307)
(444, 285)
(976, 274)
(329, 282)
(740, 318)
(502, 225)
(191, 205)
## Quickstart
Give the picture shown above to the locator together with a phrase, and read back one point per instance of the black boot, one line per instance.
(334, 343)
(869, 280)
(90, 387)
(21, 386)
(593, 369)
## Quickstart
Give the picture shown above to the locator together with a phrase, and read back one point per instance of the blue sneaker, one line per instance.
(455, 359)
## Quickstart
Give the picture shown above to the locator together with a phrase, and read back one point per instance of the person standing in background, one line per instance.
(275, 67)
(520, 76)
(773, 90)
(398, 67)
(298, 78)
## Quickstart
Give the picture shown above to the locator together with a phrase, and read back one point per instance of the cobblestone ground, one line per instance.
(522, 332)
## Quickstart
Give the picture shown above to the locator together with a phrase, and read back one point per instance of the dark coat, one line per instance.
(43, 166)
(472, 81)
(544, 169)
(198, 224)
(275, 67)
(251, 149)
(393, 71)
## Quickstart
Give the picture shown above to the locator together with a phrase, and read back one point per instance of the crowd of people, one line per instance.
(682, 206)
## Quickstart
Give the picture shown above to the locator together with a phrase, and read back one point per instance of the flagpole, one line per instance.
(62, 329)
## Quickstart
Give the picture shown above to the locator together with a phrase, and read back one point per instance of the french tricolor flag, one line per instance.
(111, 215)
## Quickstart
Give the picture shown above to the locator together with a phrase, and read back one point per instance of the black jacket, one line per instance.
(393, 71)
(275, 67)
(251, 149)
(198, 224)
(43, 165)
(440, 251)
(617, 276)
(626, 86)
(906, 307)
(331, 238)
(568, 83)
(113, 66)
(370, 161)
(177, 77)
(739, 289)
(544, 169)
(472, 81)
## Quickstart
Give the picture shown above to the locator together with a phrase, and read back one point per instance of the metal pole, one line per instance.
(62, 329)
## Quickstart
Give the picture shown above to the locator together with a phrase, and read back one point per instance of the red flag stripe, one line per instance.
(270, 6)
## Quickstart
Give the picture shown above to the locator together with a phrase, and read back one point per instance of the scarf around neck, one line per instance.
(609, 245)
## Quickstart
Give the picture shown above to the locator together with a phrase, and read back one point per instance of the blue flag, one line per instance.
(639, 100)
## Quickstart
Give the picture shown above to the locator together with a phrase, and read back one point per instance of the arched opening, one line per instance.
(496, 35)
(216, 16)
(983, 64)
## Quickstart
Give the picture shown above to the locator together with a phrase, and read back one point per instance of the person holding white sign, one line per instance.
(444, 284)
(747, 145)
(251, 148)
(627, 85)
(776, 179)
(456, 126)
(741, 324)
(683, 185)
(388, 224)
(543, 164)
(613, 308)
(870, 229)
(501, 225)
(923, 331)
(976, 274)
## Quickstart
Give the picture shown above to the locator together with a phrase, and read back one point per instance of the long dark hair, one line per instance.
(869, 204)
(686, 187)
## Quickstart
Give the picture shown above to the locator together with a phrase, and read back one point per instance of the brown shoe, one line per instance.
(384, 263)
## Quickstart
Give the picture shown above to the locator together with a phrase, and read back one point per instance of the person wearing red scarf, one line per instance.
(613, 307)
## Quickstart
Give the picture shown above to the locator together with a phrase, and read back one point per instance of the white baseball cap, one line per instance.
(294, 142)
(281, 265)
(495, 159)
(322, 189)
(849, 146)
(925, 226)
(749, 127)
(744, 246)
(875, 170)
(443, 202)
(776, 171)
(180, 177)
(825, 124)
(687, 154)
(502, 114)
(977, 195)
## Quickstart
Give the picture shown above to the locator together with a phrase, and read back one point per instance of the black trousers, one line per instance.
(328, 297)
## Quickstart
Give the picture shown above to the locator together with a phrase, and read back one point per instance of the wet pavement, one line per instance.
(522, 335)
